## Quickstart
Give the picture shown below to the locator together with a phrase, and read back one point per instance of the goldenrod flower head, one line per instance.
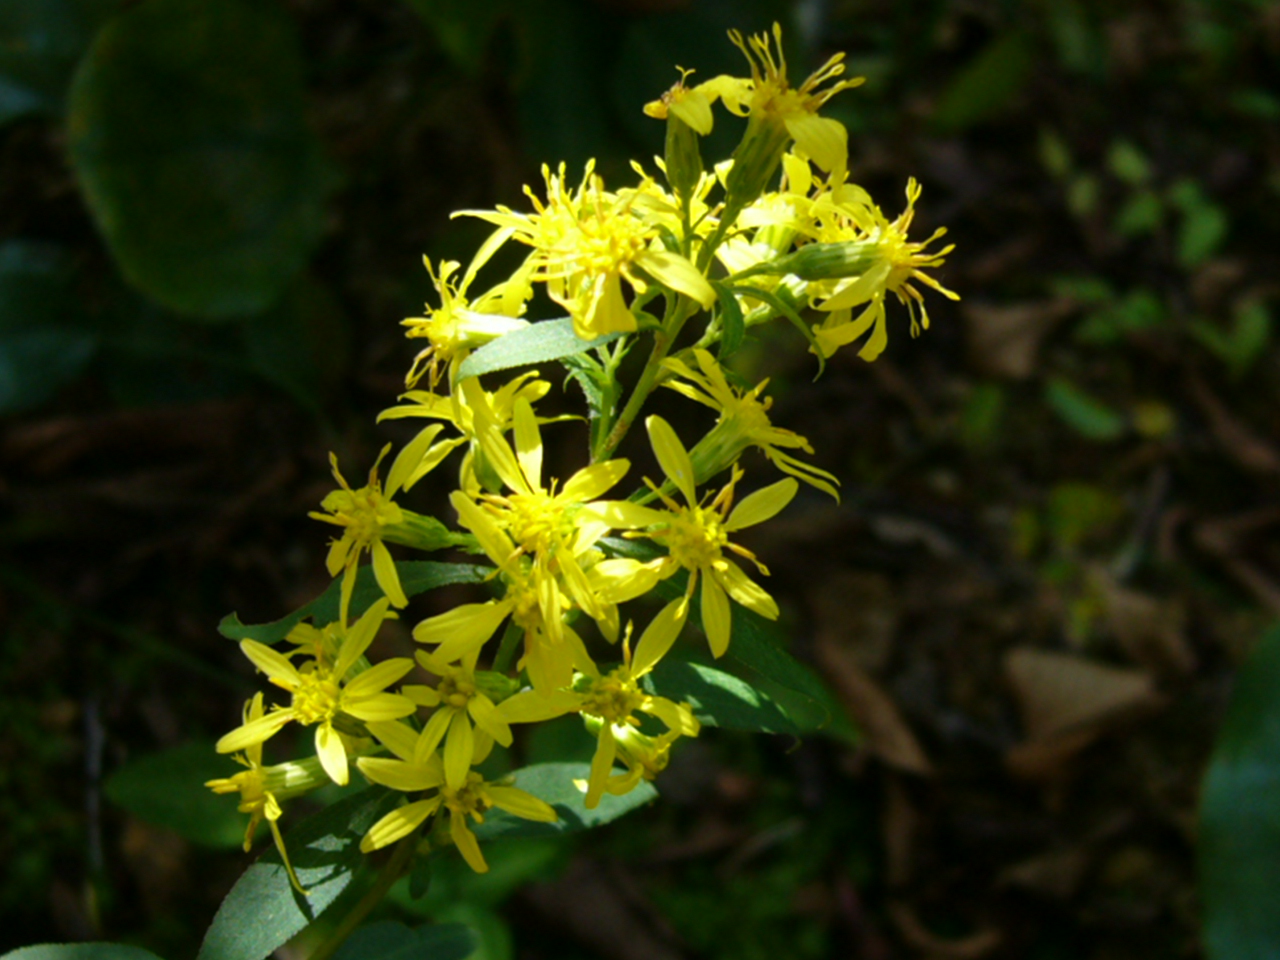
(696, 535)
(457, 327)
(769, 97)
(321, 693)
(262, 788)
(898, 265)
(586, 242)
(743, 422)
(471, 800)
(461, 703)
(363, 514)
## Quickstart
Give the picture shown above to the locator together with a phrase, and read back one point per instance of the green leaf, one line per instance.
(45, 340)
(302, 345)
(263, 911)
(1140, 214)
(79, 951)
(167, 789)
(1128, 163)
(755, 646)
(41, 41)
(718, 699)
(391, 940)
(1087, 416)
(1203, 229)
(416, 576)
(987, 84)
(553, 782)
(536, 343)
(733, 328)
(1239, 836)
(188, 132)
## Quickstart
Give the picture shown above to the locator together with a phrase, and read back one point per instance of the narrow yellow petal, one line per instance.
(601, 766)
(521, 804)
(332, 753)
(530, 706)
(672, 456)
(674, 271)
(398, 824)
(409, 458)
(253, 732)
(463, 627)
(384, 571)
(589, 482)
(860, 290)
(359, 636)
(715, 615)
(458, 745)
(436, 727)
(466, 842)
(659, 636)
(271, 662)
(746, 591)
(397, 737)
(759, 506)
(398, 775)
(528, 442)
(376, 679)
(487, 718)
(823, 140)
(380, 706)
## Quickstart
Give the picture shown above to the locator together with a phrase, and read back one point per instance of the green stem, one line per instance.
(355, 916)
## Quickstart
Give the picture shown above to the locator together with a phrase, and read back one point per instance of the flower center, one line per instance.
(694, 537)
(456, 690)
(472, 799)
(537, 523)
(316, 697)
(613, 698)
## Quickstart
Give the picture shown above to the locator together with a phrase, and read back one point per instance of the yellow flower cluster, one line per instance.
(572, 557)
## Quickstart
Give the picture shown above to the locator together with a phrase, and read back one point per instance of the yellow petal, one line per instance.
(492, 539)
(462, 628)
(398, 824)
(521, 804)
(760, 506)
(825, 141)
(398, 775)
(659, 636)
(397, 737)
(488, 719)
(715, 615)
(384, 571)
(409, 457)
(624, 515)
(436, 727)
(528, 442)
(530, 706)
(253, 732)
(674, 271)
(860, 290)
(458, 745)
(380, 706)
(672, 456)
(332, 753)
(376, 679)
(606, 310)
(359, 636)
(589, 482)
(746, 591)
(466, 842)
(601, 766)
(271, 662)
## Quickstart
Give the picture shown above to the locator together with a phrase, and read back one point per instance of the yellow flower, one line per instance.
(363, 513)
(586, 242)
(262, 788)
(896, 264)
(461, 703)
(612, 700)
(535, 602)
(321, 693)
(743, 422)
(472, 799)
(696, 536)
(459, 326)
(770, 101)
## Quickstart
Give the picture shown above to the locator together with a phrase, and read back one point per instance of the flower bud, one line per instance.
(684, 161)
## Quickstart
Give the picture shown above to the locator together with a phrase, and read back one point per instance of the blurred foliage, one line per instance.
(211, 219)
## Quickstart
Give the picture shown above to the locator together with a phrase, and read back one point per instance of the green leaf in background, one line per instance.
(553, 782)
(1137, 310)
(986, 85)
(1239, 837)
(1243, 345)
(167, 789)
(462, 27)
(390, 940)
(45, 341)
(733, 328)
(188, 132)
(1204, 224)
(303, 344)
(1085, 415)
(263, 911)
(1128, 163)
(416, 576)
(80, 951)
(41, 41)
(717, 698)
(536, 343)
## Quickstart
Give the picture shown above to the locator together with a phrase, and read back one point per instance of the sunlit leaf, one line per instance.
(536, 343)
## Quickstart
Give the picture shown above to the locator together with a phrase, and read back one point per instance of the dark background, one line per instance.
(1057, 538)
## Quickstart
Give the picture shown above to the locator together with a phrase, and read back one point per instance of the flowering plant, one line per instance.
(683, 262)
